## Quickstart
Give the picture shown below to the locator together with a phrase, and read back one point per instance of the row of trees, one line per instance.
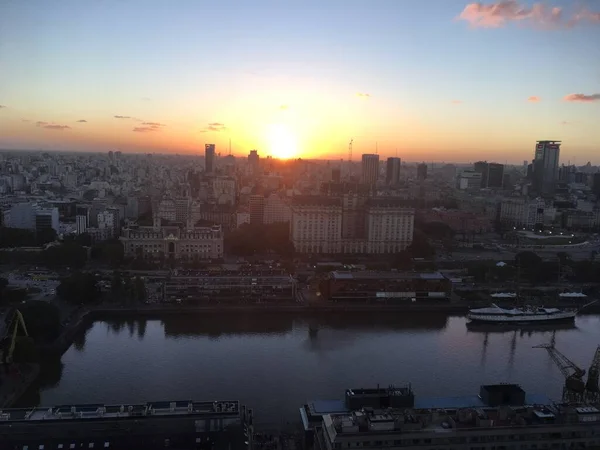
(529, 267)
(254, 239)
(17, 237)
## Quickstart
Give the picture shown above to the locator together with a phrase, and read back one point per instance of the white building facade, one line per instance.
(187, 243)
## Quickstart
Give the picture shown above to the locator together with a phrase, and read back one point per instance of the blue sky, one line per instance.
(438, 86)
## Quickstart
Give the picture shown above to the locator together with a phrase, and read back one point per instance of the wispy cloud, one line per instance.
(582, 98)
(25, 120)
(122, 117)
(214, 126)
(146, 99)
(498, 14)
(82, 121)
(2, 106)
(144, 129)
(154, 124)
(534, 99)
(457, 102)
(363, 95)
(51, 126)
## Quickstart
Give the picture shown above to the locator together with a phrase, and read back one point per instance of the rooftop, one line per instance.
(97, 411)
(374, 275)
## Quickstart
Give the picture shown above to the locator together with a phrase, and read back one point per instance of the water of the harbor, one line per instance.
(276, 363)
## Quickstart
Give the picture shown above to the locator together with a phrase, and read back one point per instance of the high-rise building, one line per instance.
(492, 174)
(336, 175)
(209, 158)
(545, 166)
(256, 204)
(422, 171)
(370, 169)
(392, 171)
(596, 185)
(253, 161)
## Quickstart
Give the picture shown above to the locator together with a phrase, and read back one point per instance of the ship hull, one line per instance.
(565, 317)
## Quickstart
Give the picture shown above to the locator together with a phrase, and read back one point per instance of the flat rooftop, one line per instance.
(101, 411)
(374, 275)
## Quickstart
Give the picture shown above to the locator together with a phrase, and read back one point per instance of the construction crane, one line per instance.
(14, 322)
(591, 387)
(574, 388)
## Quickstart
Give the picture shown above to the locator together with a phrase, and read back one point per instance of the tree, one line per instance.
(139, 290)
(42, 320)
(116, 283)
(79, 288)
(45, 236)
(69, 253)
(420, 246)
(403, 261)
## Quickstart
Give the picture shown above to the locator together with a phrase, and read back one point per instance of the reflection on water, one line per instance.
(274, 363)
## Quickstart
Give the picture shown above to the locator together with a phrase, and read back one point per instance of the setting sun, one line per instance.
(283, 143)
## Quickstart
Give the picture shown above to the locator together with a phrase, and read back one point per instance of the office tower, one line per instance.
(253, 160)
(392, 171)
(256, 204)
(370, 169)
(422, 171)
(545, 166)
(596, 185)
(209, 158)
(492, 174)
(336, 175)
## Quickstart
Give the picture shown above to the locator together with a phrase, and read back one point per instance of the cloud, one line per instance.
(144, 129)
(53, 126)
(154, 124)
(214, 126)
(146, 99)
(534, 99)
(495, 15)
(122, 117)
(363, 95)
(582, 98)
(82, 121)
(25, 120)
(457, 102)
(50, 126)
(2, 106)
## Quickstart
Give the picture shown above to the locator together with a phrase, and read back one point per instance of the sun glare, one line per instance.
(283, 143)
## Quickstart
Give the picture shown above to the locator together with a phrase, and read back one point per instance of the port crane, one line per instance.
(13, 323)
(575, 389)
(591, 386)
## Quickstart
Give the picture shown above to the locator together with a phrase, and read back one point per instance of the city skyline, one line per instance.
(442, 81)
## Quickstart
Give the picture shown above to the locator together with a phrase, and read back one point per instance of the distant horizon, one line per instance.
(355, 160)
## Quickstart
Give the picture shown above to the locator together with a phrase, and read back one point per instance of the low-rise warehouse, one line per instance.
(385, 287)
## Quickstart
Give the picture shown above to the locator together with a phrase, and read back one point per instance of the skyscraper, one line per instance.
(209, 158)
(253, 161)
(422, 171)
(370, 169)
(492, 174)
(392, 171)
(545, 166)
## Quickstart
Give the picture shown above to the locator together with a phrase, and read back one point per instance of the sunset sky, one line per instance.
(442, 80)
